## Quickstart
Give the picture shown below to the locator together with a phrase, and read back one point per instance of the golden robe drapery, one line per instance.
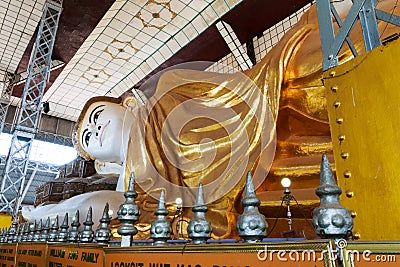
(209, 127)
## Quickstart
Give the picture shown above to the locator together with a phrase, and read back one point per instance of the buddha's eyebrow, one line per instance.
(91, 113)
(83, 135)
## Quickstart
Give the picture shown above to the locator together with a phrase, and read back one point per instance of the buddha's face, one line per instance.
(101, 133)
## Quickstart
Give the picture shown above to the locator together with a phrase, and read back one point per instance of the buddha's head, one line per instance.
(101, 128)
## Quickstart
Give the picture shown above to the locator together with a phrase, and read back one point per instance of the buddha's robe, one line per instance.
(238, 135)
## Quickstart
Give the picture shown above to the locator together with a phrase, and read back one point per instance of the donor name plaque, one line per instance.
(74, 255)
(307, 254)
(7, 255)
(31, 255)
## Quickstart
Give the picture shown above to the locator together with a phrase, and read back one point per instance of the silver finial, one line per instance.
(330, 219)
(87, 234)
(38, 231)
(25, 233)
(17, 232)
(54, 230)
(103, 233)
(251, 225)
(160, 230)
(63, 233)
(45, 233)
(21, 232)
(3, 236)
(73, 233)
(12, 232)
(5, 240)
(128, 214)
(199, 229)
(32, 229)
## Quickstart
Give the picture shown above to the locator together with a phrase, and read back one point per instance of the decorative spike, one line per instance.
(326, 175)
(131, 184)
(12, 232)
(199, 229)
(45, 233)
(25, 232)
(2, 235)
(128, 214)
(251, 225)
(249, 189)
(103, 233)
(16, 236)
(5, 235)
(32, 228)
(87, 234)
(21, 232)
(54, 230)
(330, 219)
(160, 230)
(63, 233)
(4, 238)
(38, 231)
(73, 233)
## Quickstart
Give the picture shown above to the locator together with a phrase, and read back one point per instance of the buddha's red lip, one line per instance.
(102, 133)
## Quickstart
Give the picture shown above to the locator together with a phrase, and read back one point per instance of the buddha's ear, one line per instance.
(106, 167)
(130, 103)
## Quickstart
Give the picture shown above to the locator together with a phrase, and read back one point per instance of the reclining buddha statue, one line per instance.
(211, 128)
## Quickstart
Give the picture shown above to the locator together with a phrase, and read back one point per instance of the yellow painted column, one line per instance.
(5, 220)
(364, 112)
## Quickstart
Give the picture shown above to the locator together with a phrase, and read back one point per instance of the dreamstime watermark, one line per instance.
(341, 254)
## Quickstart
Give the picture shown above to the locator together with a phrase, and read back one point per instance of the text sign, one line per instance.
(74, 256)
(7, 255)
(202, 259)
(29, 255)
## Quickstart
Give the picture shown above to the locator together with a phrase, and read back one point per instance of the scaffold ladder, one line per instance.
(363, 10)
(5, 97)
(27, 122)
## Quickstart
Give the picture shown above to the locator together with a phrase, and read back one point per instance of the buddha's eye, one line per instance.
(87, 138)
(96, 115)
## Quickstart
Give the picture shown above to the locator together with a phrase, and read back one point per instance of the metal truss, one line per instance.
(54, 138)
(35, 165)
(46, 136)
(5, 98)
(37, 170)
(363, 10)
(13, 181)
(234, 45)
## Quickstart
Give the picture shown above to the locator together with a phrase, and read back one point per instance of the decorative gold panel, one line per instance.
(364, 112)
